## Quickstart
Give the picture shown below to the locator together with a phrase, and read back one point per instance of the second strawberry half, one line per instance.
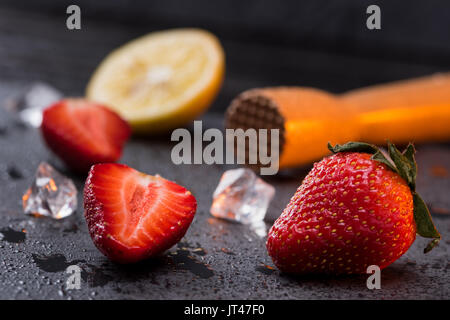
(83, 133)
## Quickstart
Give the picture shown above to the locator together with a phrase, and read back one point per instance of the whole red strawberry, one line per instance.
(132, 216)
(354, 209)
(83, 133)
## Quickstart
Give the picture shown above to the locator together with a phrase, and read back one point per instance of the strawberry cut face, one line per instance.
(83, 133)
(132, 216)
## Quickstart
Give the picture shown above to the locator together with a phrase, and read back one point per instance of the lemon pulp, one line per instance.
(161, 80)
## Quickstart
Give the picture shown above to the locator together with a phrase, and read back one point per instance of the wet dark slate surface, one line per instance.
(216, 259)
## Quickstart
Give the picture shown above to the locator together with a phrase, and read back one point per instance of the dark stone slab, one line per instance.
(215, 260)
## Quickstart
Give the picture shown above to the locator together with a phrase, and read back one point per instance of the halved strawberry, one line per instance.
(131, 215)
(83, 133)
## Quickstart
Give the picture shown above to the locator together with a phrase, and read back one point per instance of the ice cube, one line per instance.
(51, 194)
(30, 103)
(242, 196)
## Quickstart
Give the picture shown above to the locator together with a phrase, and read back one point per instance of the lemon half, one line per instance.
(162, 80)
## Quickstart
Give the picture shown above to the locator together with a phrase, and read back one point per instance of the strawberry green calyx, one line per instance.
(404, 164)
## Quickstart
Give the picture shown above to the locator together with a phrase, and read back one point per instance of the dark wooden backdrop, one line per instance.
(315, 43)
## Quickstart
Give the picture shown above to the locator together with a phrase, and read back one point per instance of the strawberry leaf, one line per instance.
(405, 167)
(353, 147)
(409, 155)
(424, 223)
(380, 157)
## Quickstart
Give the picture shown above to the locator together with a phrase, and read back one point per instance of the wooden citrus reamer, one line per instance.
(416, 110)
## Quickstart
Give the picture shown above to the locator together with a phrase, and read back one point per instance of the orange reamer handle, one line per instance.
(416, 110)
